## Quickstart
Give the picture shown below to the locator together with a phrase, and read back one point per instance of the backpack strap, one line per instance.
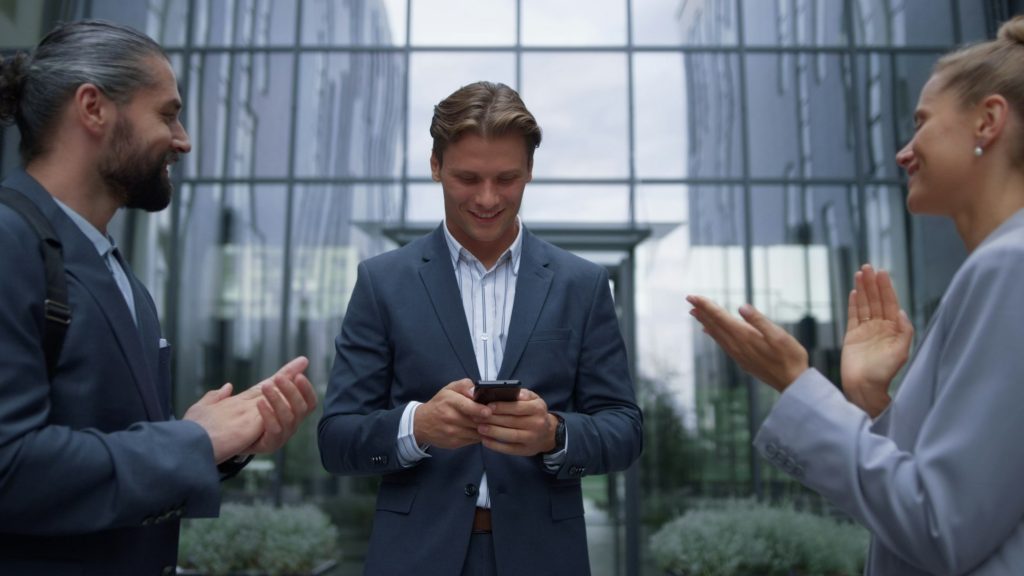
(56, 310)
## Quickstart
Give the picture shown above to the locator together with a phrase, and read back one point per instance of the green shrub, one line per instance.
(258, 539)
(742, 537)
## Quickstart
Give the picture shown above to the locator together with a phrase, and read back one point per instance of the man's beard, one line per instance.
(138, 181)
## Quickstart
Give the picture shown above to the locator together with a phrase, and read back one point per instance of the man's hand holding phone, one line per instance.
(449, 420)
(519, 425)
(488, 391)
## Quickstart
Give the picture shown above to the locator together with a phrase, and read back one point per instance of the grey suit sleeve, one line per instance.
(955, 498)
(358, 432)
(605, 428)
(59, 480)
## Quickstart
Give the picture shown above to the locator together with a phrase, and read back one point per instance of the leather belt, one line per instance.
(482, 521)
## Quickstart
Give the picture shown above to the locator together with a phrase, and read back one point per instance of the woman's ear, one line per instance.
(993, 114)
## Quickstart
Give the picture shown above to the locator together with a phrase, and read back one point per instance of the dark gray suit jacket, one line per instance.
(405, 337)
(93, 473)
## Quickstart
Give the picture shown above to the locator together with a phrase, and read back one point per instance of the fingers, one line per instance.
(760, 322)
(214, 396)
(860, 290)
(294, 367)
(890, 304)
(271, 425)
(873, 297)
(852, 316)
(282, 399)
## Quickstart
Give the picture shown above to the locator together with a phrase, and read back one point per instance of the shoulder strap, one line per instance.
(56, 307)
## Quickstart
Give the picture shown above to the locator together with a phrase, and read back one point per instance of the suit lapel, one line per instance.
(438, 278)
(83, 263)
(532, 288)
(149, 330)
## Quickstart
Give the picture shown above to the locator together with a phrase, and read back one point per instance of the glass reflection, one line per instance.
(574, 22)
(463, 22)
(583, 113)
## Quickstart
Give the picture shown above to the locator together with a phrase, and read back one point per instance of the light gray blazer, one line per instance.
(938, 478)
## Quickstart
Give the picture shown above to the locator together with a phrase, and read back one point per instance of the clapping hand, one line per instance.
(760, 347)
(877, 342)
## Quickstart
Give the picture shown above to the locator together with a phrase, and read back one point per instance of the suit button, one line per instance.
(470, 490)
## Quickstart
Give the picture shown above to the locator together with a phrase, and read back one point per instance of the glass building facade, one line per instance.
(741, 149)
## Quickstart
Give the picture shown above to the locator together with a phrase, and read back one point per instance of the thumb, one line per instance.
(759, 321)
(905, 324)
(214, 396)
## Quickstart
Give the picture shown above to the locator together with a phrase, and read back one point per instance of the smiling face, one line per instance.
(939, 159)
(146, 140)
(483, 181)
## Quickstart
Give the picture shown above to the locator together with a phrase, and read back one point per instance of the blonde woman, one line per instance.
(936, 472)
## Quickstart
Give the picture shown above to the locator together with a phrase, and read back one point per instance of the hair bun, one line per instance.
(12, 78)
(1013, 30)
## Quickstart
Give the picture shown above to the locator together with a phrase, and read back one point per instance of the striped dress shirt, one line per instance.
(487, 298)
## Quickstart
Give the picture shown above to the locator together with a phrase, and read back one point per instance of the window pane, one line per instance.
(259, 117)
(907, 23)
(583, 114)
(783, 23)
(243, 22)
(574, 203)
(972, 21)
(231, 261)
(687, 112)
(800, 120)
(662, 204)
(574, 22)
(425, 203)
(463, 22)
(433, 77)
(353, 22)
(688, 23)
(660, 108)
(349, 115)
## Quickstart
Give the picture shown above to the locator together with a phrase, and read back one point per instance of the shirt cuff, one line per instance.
(409, 453)
(553, 462)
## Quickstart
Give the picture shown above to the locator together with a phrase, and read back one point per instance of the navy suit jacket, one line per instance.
(405, 337)
(94, 474)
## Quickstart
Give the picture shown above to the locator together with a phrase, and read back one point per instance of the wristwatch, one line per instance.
(559, 436)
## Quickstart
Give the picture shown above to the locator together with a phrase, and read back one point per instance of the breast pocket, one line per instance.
(549, 360)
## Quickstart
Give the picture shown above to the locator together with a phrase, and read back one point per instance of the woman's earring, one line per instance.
(978, 151)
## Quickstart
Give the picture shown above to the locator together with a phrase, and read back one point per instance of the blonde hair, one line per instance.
(986, 68)
(486, 109)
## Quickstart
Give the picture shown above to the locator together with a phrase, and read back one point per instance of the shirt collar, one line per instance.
(100, 241)
(456, 250)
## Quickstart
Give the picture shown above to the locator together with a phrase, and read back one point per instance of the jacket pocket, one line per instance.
(566, 502)
(395, 497)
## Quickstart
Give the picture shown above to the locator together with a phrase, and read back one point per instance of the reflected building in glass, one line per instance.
(799, 115)
(741, 149)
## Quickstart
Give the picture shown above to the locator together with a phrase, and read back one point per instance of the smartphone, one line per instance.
(488, 391)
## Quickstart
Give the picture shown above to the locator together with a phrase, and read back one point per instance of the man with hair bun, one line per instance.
(95, 472)
(935, 472)
(491, 487)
